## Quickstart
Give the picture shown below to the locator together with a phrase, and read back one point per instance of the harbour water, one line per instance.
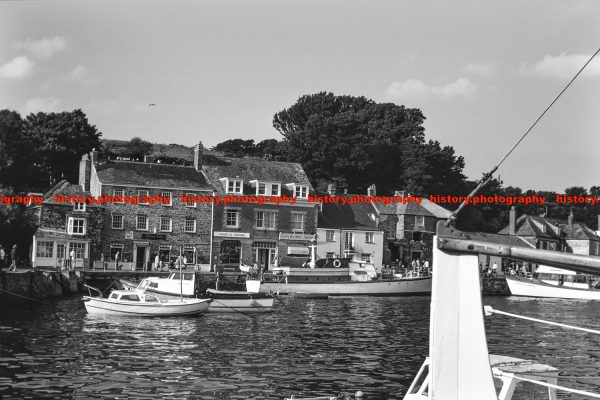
(305, 347)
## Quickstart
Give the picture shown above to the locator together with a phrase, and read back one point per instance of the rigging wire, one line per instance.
(487, 177)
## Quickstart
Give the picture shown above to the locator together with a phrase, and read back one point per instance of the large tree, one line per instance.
(360, 142)
(44, 148)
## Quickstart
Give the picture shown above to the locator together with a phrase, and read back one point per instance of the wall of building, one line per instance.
(336, 246)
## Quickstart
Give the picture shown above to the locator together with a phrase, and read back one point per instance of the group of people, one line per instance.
(4, 258)
(487, 271)
(159, 264)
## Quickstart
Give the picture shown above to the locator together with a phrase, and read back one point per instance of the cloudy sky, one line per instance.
(481, 71)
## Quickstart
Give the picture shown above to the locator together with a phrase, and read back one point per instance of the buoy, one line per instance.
(337, 263)
(359, 395)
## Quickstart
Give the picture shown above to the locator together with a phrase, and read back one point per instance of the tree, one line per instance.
(355, 140)
(236, 147)
(45, 148)
(137, 148)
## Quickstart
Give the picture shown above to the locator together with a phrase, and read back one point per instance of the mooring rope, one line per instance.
(24, 297)
(489, 311)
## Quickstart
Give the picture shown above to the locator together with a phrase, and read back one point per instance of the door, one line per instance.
(140, 258)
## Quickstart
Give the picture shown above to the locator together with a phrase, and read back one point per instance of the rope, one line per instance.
(489, 310)
(487, 177)
(225, 305)
(24, 297)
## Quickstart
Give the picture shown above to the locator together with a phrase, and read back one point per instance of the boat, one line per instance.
(340, 277)
(185, 285)
(142, 303)
(239, 301)
(555, 283)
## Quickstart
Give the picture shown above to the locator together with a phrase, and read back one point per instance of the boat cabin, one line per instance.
(128, 295)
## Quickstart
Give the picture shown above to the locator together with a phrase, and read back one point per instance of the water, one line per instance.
(305, 347)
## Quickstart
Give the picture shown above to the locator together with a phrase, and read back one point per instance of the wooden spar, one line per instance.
(453, 240)
(459, 362)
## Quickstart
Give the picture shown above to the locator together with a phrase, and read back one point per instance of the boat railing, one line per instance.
(91, 288)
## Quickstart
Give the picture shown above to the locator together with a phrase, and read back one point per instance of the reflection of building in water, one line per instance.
(249, 232)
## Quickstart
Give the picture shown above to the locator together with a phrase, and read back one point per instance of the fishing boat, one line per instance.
(555, 283)
(339, 277)
(239, 301)
(143, 304)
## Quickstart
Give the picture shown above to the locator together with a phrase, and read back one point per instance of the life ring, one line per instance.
(337, 263)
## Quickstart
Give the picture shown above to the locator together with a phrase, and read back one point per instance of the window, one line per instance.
(232, 218)
(330, 235)
(166, 224)
(141, 194)
(330, 255)
(141, 222)
(76, 226)
(61, 249)
(349, 240)
(78, 248)
(365, 257)
(301, 191)
(419, 221)
(234, 186)
(298, 222)
(369, 237)
(268, 189)
(45, 249)
(191, 204)
(119, 193)
(79, 207)
(190, 225)
(117, 221)
(130, 297)
(230, 252)
(167, 199)
(265, 220)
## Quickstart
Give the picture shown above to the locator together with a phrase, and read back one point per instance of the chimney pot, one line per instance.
(512, 221)
(331, 189)
(198, 153)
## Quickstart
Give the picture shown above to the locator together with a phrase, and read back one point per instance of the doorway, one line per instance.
(140, 257)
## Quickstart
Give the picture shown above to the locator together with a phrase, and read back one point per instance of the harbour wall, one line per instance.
(494, 286)
(21, 287)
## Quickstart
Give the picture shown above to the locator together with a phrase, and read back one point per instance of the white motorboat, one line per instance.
(348, 278)
(531, 287)
(239, 301)
(176, 285)
(142, 303)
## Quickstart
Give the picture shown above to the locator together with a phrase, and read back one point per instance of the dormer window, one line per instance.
(79, 207)
(267, 188)
(301, 191)
(234, 186)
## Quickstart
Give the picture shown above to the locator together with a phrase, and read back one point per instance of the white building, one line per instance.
(348, 231)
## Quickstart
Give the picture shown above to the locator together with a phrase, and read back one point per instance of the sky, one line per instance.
(481, 71)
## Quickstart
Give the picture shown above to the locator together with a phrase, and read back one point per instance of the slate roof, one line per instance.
(506, 240)
(250, 169)
(151, 175)
(426, 208)
(527, 225)
(349, 216)
(63, 188)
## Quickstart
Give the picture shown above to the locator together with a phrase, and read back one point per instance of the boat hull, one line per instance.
(403, 287)
(101, 306)
(232, 301)
(536, 288)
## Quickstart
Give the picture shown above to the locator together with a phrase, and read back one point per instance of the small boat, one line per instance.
(176, 285)
(532, 287)
(142, 303)
(239, 301)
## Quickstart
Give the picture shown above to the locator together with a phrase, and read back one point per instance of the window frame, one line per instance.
(370, 237)
(43, 244)
(298, 189)
(170, 203)
(303, 221)
(234, 182)
(137, 218)
(420, 218)
(160, 224)
(140, 196)
(237, 218)
(330, 235)
(71, 226)
(193, 204)
(79, 209)
(112, 222)
(185, 222)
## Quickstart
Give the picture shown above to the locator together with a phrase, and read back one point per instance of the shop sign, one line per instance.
(294, 236)
(232, 234)
(154, 236)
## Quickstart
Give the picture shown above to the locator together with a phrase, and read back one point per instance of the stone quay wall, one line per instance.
(17, 288)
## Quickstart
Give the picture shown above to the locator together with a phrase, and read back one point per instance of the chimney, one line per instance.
(94, 156)
(198, 152)
(85, 171)
(570, 219)
(512, 221)
(331, 189)
(372, 190)
(401, 193)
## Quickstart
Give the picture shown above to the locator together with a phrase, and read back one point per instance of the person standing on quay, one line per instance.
(2, 255)
(13, 258)
(72, 258)
(117, 261)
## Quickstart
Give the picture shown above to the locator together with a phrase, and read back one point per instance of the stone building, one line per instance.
(409, 228)
(65, 227)
(349, 231)
(259, 231)
(158, 222)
